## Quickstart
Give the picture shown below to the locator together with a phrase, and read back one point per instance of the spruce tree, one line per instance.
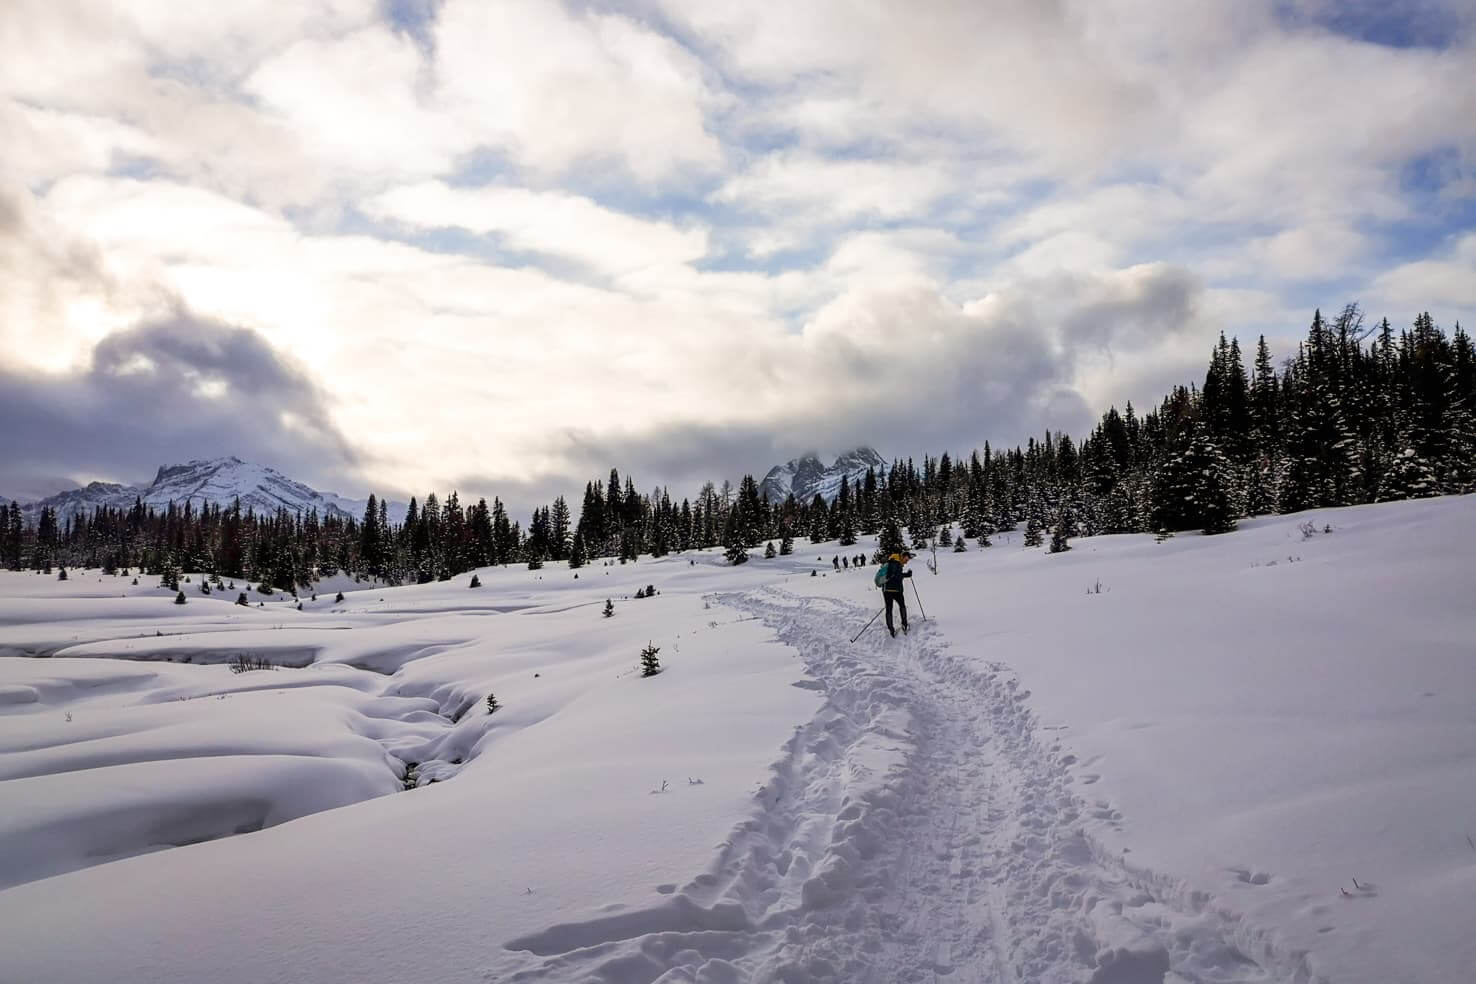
(650, 665)
(493, 706)
(1408, 477)
(769, 552)
(1033, 527)
(889, 541)
(1059, 538)
(609, 611)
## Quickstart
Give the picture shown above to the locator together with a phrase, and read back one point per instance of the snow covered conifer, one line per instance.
(492, 705)
(1060, 536)
(958, 545)
(769, 552)
(61, 575)
(476, 581)
(578, 555)
(735, 554)
(241, 600)
(179, 599)
(945, 537)
(786, 545)
(889, 541)
(1408, 477)
(609, 608)
(650, 665)
(1033, 527)
(535, 564)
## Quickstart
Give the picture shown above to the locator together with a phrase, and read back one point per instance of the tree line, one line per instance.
(1359, 414)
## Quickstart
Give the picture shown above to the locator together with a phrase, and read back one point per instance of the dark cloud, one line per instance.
(169, 390)
(943, 379)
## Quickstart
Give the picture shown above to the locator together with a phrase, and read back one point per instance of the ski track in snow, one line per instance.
(919, 828)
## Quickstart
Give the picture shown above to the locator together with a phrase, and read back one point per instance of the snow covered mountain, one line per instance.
(216, 480)
(807, 475)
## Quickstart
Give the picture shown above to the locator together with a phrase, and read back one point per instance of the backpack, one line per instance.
(881, 574)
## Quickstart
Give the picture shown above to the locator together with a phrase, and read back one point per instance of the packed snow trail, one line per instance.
(917, 829)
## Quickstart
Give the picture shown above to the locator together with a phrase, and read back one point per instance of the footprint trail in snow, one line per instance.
(917, 829)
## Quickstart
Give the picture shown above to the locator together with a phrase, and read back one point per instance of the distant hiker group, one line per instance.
(839, 562)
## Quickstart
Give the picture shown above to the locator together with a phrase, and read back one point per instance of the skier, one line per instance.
(892, 589)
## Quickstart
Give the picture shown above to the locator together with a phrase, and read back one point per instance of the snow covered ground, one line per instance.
(1136, 761)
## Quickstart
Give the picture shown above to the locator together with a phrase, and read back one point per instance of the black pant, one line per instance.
(901, 601)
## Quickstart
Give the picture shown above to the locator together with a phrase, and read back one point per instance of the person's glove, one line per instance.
(906, 573)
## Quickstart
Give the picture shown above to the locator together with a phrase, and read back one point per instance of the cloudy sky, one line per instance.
(502, 245)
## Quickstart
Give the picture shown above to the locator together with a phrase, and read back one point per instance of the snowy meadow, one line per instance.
(1248, 757)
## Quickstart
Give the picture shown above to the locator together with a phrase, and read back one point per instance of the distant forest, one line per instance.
(1358, 414)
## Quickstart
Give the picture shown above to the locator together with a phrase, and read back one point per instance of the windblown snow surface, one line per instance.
(1233, 759)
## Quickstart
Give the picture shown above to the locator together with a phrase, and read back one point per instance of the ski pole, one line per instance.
(866, 626)
(919, 599)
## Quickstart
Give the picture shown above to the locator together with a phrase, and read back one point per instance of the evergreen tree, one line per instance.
(1061, 534)
(1409, 477)
(769, 552)
(1033, 527)
(889, 541)
(786, 545)
(650, 665)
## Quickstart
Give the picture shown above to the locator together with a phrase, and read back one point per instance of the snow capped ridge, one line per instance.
(807, 476)
(218, 481)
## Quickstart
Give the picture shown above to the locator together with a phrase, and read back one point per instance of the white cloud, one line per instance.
(826, 190)
(1445, 281)
(558, 90)
(551, 223)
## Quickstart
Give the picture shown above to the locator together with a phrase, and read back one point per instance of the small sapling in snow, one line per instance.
(476, 582)
(339, 599)
(609, 608)
(179, 599)
(241, 600)
(492, 705)
(61, 575)
(650, 665)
